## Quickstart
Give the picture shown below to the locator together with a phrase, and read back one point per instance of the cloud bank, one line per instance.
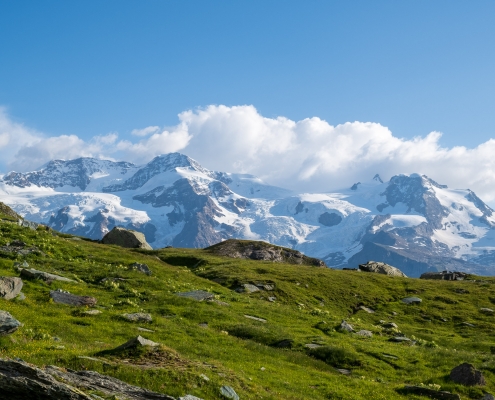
(306, 155)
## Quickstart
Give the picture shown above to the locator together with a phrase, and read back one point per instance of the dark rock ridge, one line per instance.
(262, 251)
(20, 381)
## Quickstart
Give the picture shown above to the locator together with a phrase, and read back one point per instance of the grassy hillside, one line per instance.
(209, 344)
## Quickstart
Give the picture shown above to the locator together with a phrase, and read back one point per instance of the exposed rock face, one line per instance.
(467, 374)
(72, 299)
(444, 275)
(20, 381)
(10, 287)
(8, 324)
(262, 251)
(381, 268)
(126, 238)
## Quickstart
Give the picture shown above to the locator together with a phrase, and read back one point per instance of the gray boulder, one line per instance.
(198, 295)
(10, 287)
(62, 297)
(229, 393)
(126, 238)
(412, 300)
(365, 333)
(138, 341)
(137, 317)
(345, 326)
(8, 324)
(381, 268)
(141, 268)
(467, 374)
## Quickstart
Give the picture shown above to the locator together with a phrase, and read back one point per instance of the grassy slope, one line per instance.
(310, 303)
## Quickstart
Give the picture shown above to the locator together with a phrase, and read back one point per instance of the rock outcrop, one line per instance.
(62, 297)
(444, 275)
(467, 374)
(10, 287)
(126, 238)
(8, 324)
(381, 268)
(262, 251)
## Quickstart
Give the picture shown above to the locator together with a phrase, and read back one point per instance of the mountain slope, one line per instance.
(411, 222)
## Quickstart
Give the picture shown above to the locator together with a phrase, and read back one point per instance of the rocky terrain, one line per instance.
(410, 221)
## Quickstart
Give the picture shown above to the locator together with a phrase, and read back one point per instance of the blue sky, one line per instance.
(92, 68)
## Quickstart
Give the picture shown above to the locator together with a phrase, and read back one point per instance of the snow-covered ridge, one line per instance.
(411, 221)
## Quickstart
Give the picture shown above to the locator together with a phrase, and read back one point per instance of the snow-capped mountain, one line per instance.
(411, 222)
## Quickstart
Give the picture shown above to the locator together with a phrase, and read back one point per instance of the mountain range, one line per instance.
(411, 221)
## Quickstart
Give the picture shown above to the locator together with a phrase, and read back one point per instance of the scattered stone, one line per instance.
(487, 310)
(141, 268)
(189, 397)
(204, 377)
(345, 326)
(126, 238)
(444, 275)
(21, 250)
(390, 356)
(248, 288)
(272, 299)
(284, 344)
(255, 318)
(312, 345)
(365, 333)
(468, 324)
(220, 303)
(45, 276)
(467, 374)
(21, 297)
(366, 309)
(10, 287)
(138, 317)
(138, 341)
(262, 368)
(431, 393)
(399, 339)
(229, 393)
(62, 297)
(92, 312)
(144, 330)
(198, 295)
(203, 325)
(21, 381)
(390, 325)
(343, 371)
(381, 268)
(394, 313)
(412, 300)
(265, 286)
(8, 324)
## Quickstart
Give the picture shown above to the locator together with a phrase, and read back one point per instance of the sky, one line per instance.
(310, 95)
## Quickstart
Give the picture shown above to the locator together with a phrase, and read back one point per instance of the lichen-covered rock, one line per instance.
(10, 287)
(381, 268)
(72, 299)
(8, 324)
(126, 238)
(467, 374)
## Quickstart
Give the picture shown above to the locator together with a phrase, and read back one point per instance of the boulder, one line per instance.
(138, 341)
(412, 300)
(229, 393)
(8, 324)
(467, 374)
(20, 381)
(141, 268)
(248, 288)
(62, 297)
(137, 317)
(345, 326)
(365, 333)
(444, 275)
(10, 287)
(44, 276)
(126, 238)
(381, 268)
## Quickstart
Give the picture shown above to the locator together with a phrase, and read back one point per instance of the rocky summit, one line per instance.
(410, 221)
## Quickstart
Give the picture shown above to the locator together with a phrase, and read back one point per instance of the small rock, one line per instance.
(204, 377)
(126, 238)
(343, 371)
(203, 325)
(390, 325)
(10, 287)
(272, 299)
(394, 313)
(92, 312)
(345, 326)
(366, 309)
(486, 310)
(141, 268)
(365, 333)
(262, 368)
(8, 324)
(312, 345)
(44, 276)
(138, 317)
(399, 339)
(412, 300)
(488, 396)
(255, 318)
(144, 330)
(71, 299)
(468, 324)
(220, 303)
(189, 397)
(198, 295)
(229, 393)
(248, 288)
(21, 296)
(381, 268)
(138, 341)
(467, 374)
(390, 356)
(283, 344)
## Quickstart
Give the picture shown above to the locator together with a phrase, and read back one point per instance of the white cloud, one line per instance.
(306, 155)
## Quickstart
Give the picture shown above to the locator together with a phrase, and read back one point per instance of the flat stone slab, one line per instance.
(248, 288)
(10, 287)
(144, 330)
(412, 300)
(32, 273)
(431, 393)
(198, 295)
(366, 309)
(138, 341)
(399, 339)
(8, 324)
(72, 299)
(138, 317)
(229, 393)
(255, 318)
(312, 345)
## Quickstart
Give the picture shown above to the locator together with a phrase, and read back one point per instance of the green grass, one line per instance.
(237, 351)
